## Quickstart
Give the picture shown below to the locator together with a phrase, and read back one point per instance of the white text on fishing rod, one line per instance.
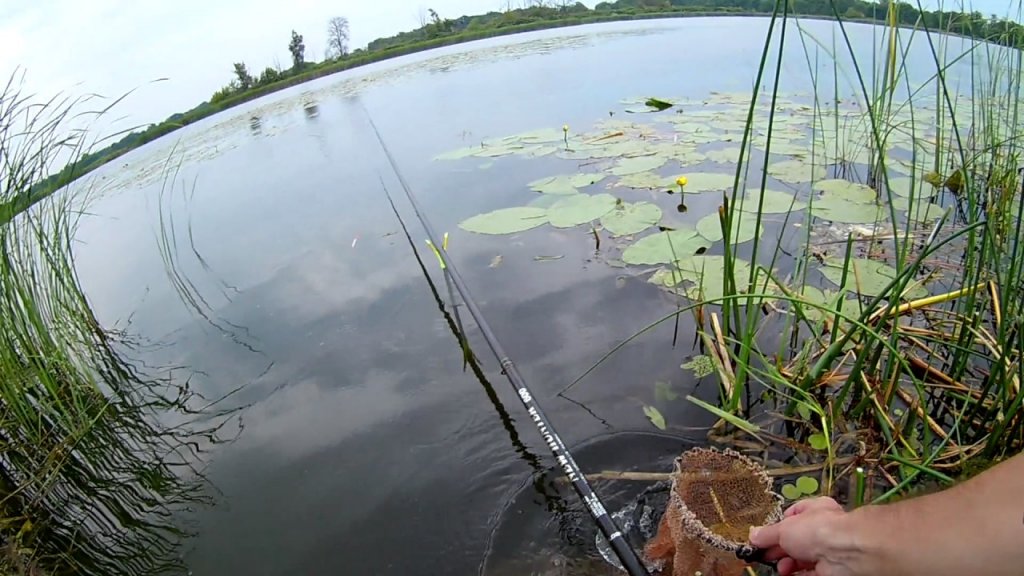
(549, 438)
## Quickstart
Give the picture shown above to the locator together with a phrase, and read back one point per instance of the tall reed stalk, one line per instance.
(99, 455)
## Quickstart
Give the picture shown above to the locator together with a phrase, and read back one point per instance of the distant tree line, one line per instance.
(436, 30)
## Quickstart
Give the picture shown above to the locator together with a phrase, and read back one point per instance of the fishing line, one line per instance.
(625, 553)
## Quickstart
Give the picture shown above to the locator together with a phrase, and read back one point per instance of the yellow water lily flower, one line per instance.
(565, 128)
(682, 181)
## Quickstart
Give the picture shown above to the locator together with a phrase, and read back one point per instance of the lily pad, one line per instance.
(839, 209)
(807, 485)
(818, 442)
(786, 148)
(744, 227)
(545, 201)
(636, 165)
(658, 104)
(664, 247)
(729, 155)
(628, 219)
(580, 209)
(458, 154)
(506, 220)
(791, 492)
(565, 184)
(538, 151)
(868, 277)
(704, 276)
(921, 211)
(823, 300)
(847, 190)
(905, 186)
(542, 136)
(499, 150)
(708, 182)
(775, 202)
(796, 171)
(646, 180)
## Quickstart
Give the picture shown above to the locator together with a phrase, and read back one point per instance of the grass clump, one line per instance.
(93, 474)
(902, 370)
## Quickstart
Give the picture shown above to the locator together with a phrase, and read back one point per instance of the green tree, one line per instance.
(853, 14)
(245, 80)
(298, 50)
(269, 76)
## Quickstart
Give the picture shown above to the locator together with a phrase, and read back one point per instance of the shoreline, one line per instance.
(207, 109)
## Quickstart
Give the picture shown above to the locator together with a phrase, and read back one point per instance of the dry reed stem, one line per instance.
(997, 312)
(915, 405)
(921, 303)
(659, 476)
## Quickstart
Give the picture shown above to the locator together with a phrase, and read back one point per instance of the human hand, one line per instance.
(802, 541)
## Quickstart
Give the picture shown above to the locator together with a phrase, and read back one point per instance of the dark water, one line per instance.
(367, 448)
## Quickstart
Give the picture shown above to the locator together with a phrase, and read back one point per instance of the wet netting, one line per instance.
(714, 500)
(697, 521)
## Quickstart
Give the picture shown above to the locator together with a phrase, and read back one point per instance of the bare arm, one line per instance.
(976, 527)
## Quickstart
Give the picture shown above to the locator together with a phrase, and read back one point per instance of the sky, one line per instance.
(111, 47)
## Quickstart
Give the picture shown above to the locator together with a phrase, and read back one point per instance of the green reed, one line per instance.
(99, 454)
(910, 390)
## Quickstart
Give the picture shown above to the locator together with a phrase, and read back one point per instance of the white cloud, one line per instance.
(112, 46)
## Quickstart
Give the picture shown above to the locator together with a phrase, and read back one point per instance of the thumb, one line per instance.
(766, 536)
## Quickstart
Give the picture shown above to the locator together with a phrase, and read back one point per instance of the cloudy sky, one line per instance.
(109, 47)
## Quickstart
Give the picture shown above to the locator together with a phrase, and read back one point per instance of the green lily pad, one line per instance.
(538, 151)
(807, 485)
(796, 171)
(921, 211)
(785, 148)
(542, 136)
(664, 247)
(744, 227)
(905, 186)
(636, 165)
(708, 182)
(498, 150)
(580, 209)
(818, 442)
(646, 180)
(506, 220)
(804, 411)
(791, 492)
(458, 154)
(704, 276)
(839, 209)
(545, 201)
(730, 155)
(821, 298)
(655, 417)
(565, 184)
(626, 219)
(775, 202)
(847, 190)
(868, 277)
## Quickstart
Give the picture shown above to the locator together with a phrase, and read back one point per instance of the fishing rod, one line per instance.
(616, 539)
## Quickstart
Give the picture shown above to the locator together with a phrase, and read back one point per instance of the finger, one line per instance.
(819, 503)
(766, 536)
(786, 566)
(775, 554)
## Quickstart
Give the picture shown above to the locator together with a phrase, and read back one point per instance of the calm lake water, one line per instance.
(366, 448)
